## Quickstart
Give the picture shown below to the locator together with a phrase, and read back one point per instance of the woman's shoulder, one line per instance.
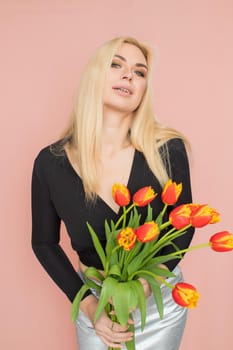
(174, 144)
(50, 155)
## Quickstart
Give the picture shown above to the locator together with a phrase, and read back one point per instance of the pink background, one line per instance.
(44, 46)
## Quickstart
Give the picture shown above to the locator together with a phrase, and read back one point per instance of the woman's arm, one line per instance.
(179, 172)
(46, 236)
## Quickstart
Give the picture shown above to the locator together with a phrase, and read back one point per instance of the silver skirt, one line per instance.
(158, 334)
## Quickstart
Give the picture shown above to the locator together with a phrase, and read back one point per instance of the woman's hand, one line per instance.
(146, 287)
(145, 284)
(111, 333)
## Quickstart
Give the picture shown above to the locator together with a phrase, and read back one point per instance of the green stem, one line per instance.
(124, 217)
(125, 212)
(122, 258)
(159, 278)
(108, 261)
(164, 225)
(163, 211)
(171, 235)
(203, 245)
(162, 280)
(141, 271)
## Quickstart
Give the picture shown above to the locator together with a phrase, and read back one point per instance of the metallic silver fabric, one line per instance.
(158, 334)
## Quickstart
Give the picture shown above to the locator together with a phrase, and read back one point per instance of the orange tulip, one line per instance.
(144, 196)
(126, 238)
(222, 241)
(120, 194)
(180, 216)
(203, 215)
(147, 232)
(171, 192)
(185, 295)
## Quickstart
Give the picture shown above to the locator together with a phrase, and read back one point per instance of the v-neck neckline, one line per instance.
(98, 196)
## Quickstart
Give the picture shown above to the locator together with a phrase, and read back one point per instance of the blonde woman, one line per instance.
(112, 137)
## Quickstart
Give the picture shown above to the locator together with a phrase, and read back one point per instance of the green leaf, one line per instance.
(109, 240)
(149, 213)
(159, 219)
(107, 230)
(159, 271)
(133, 302)
(112, 226)
(107, 289)
(156, 290)
(141, 300)
(76, 302)
(140, 259)
(130, 222)
(162, 259)
(115, 270)
(92, 284)
(97, 245)
(135, 218)
(93, 272)
(121, 299)
(133, 252)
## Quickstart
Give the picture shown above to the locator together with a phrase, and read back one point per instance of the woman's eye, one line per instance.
(139, 73)
(115, 65)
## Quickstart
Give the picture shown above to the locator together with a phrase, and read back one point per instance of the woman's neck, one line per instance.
(115, 132)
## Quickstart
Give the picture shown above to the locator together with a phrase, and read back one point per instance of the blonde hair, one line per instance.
(84, 129)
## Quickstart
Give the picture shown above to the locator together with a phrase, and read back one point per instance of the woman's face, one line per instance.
(126, 80)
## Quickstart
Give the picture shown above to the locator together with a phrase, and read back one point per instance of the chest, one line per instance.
(68, 197)
(113, 170)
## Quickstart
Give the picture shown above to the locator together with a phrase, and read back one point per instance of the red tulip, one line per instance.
(120, 194)
(171, 192)
(147, 232)
(203, 215)
(126, 238)
(185, 295)
(222, 241)
(144, 196)
(180, 216)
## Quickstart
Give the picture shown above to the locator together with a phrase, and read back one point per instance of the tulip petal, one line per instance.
(185, 295)
(222, 241)
(121, 194)
(171, 192)
(144, 196)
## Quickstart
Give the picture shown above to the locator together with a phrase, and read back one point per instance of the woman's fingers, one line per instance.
(110, 344)
(112, 333)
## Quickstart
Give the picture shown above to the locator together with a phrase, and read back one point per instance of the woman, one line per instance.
(112, 138)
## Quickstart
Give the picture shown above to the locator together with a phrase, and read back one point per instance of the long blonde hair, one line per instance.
(83, 132)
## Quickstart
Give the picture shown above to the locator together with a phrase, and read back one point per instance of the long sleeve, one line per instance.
(180, 173)
(46, 236)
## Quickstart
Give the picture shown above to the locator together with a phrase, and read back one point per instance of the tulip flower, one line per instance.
(185, 295)
(215, 216)
(171, 192)
(180, 216)
(203, 215)
(120, 194)
(126, 238)
(147, 232)
(144, 196)
(222, 241)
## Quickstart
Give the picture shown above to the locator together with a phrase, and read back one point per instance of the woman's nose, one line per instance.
(127, 75)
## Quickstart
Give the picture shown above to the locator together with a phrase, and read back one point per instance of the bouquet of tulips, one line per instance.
(131, 252)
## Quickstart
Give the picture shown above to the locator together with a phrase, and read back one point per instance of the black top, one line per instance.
(58, 194)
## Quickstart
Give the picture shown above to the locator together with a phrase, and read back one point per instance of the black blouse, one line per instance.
(58, 194)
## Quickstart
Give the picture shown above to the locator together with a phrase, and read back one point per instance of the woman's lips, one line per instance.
(123, 90)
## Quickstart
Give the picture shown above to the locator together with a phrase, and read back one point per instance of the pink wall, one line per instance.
(44, 45)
